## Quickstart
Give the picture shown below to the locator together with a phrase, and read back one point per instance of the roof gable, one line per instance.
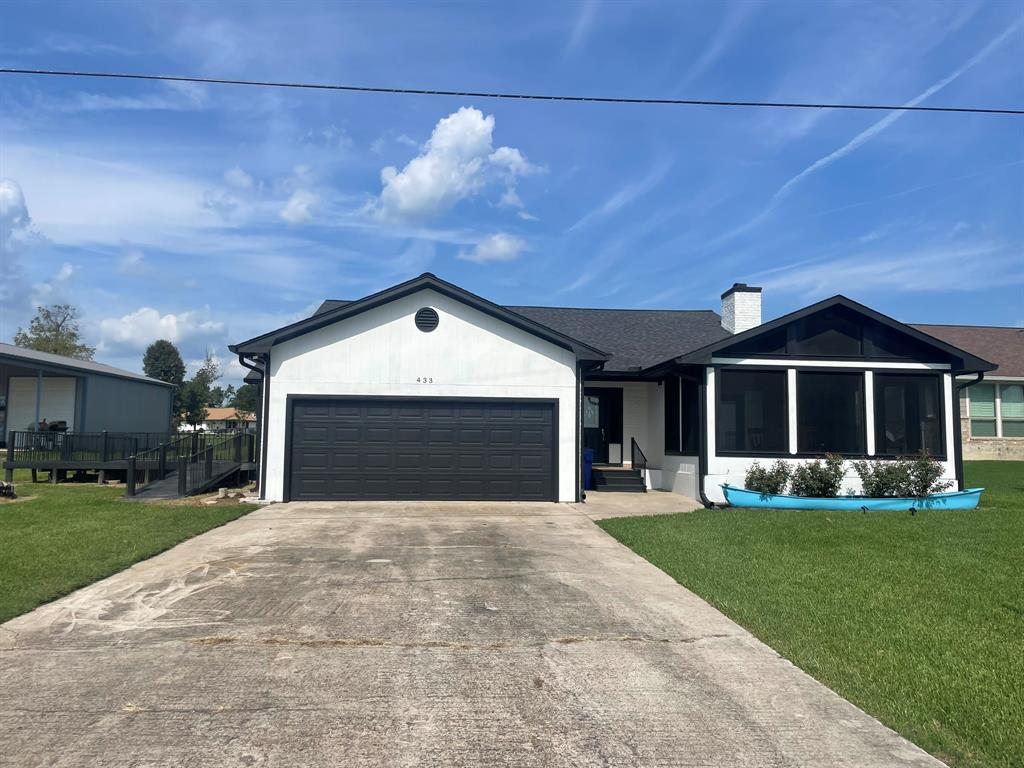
(342, 310)
(839, 327)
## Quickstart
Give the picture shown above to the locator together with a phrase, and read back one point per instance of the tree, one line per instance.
(222, 396)
(55, 330)
(247, 399)
(163, 361)
(193, 398)
(205, 377)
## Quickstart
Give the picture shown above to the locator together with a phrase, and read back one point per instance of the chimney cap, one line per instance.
(741, 288)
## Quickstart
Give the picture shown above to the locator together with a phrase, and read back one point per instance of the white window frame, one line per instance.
(998, 389)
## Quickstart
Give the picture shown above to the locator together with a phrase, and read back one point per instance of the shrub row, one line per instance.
(911, 477)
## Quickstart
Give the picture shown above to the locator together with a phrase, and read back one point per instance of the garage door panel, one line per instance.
(422, 449)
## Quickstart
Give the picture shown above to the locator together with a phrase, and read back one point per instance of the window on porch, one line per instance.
(682, 416)
(830, 412)
(908, 414)
(752, 412)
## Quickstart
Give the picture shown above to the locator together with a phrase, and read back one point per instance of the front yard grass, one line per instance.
(71, 535)
(918, 620)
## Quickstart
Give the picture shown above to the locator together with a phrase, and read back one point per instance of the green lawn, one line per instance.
(919, 620)
(74, 534)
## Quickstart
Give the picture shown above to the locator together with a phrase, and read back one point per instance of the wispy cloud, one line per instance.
(736, 17)
(581, 26)
(936, 269)
(626, 195)
(865, 136)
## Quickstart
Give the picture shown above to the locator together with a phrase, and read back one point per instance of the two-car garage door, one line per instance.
(422, 448)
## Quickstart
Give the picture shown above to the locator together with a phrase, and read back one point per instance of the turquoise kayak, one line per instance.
(741, 497)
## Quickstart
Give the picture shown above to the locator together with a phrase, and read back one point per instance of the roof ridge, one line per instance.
(968, 325)
(608, 309)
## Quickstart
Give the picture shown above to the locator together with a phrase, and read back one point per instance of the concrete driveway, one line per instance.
(396, 634)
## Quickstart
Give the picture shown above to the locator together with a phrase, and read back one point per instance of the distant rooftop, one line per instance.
(997, 344)
(31, 356)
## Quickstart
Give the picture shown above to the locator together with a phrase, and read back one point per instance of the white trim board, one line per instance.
(861, 364)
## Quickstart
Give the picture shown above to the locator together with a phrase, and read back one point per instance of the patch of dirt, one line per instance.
(6, 500)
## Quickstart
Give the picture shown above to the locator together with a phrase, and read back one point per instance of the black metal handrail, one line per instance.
(637, 456)
(50, 447)
(212, 457)
(155, 464)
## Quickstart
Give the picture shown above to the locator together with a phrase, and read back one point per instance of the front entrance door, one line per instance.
(602, 424)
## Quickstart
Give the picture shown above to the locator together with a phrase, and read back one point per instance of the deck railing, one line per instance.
(637, 456)
(49, 448)
(213, 457)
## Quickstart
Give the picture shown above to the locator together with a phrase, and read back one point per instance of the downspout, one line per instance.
(958, 443)
(702, 458)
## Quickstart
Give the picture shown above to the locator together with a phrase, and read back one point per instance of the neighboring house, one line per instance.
(991, 412)
(427, 391)
(77, 395)
(220, 419)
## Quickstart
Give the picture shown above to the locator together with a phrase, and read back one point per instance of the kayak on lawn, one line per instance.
(741, 497)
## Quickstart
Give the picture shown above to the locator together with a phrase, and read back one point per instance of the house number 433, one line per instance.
(424, 379)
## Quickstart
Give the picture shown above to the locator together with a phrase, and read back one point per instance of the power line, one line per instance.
(509, 96)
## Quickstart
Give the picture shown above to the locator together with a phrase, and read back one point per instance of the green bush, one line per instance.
(904, 477)
(772, 481)
(817, 479)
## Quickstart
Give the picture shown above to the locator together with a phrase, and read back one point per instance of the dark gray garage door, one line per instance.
(422, 449)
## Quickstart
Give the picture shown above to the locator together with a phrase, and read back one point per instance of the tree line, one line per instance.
(55, 330)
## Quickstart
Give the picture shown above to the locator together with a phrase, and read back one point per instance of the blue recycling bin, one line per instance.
(588, 469)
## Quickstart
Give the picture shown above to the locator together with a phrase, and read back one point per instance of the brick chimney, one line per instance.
(741, 308)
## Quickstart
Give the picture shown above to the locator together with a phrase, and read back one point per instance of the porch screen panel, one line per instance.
(751, 416)
(830, 413)
(690, 406)
(671, 389)
(908, 414)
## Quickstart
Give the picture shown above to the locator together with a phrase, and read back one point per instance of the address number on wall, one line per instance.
(424, 379)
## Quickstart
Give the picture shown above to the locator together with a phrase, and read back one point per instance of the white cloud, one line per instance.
(13, 211)
(237, 177)
(456, 163)
(139, 329)
(298, 209)
(132, 259)
(582, 25)
(54, 290)
(497, 247)
(220, 202)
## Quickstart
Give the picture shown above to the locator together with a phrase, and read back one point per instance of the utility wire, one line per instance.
(500, 95)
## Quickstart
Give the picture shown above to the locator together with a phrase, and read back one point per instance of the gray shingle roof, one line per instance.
(1000, 345)
(30, 356)
(635, 338)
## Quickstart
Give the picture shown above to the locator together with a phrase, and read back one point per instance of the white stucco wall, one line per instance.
(381, 352)
(642, 409)
(733, 469)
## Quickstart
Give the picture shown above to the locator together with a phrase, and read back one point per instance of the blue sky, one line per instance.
(208, 214)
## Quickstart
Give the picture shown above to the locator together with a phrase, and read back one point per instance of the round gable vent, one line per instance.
(426, 319)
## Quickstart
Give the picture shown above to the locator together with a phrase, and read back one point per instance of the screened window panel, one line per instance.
(831, 333)
(751, 414)
(671, 392)
(908, 414)
(983, 401)
(830, 413)
(690, 417)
